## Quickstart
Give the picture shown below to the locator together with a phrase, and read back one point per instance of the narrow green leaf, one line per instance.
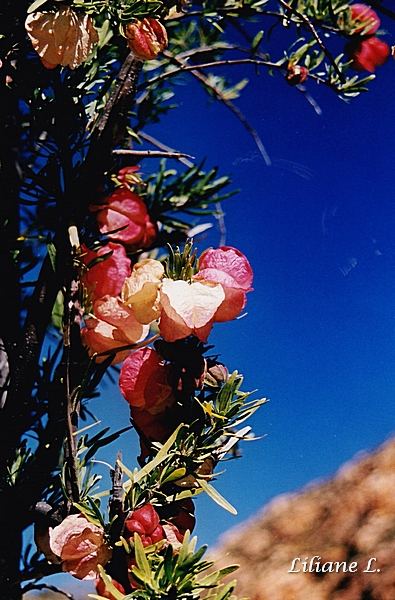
(35, 6)
(216, 496)
(141, 558)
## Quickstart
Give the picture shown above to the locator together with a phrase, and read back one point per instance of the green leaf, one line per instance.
(256, 41)
(52, 255)
(216, 496)
(33, 7)
(141, 558)
(110, 587)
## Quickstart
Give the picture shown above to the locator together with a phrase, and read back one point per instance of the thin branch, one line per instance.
(152, 154)
(219, 94)
(158, 144)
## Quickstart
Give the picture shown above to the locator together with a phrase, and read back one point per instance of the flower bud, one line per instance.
(146, 38)
(296, 74)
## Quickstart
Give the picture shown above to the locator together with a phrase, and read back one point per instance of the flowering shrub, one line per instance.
(80, 546)
(68, 130)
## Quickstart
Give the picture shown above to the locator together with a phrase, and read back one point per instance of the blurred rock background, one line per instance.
(350, 517)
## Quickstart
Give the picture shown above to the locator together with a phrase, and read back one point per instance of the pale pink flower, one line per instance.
(114, 325)
(62, 37)
(188, 309)
(80, 546)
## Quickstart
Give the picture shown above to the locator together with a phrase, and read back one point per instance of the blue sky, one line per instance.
(318, 227)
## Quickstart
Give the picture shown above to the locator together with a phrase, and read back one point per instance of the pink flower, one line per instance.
(141, 290)
(124, 208)
(62, 37)
(364, 19)
(144, 381)
(145, 522)
(367, 54)
(114, 325)
(231, 269)
(80, 546)
(146, 38)
(107, 276)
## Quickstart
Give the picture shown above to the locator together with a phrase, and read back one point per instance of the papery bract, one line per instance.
(62, 37)
(367, 54)
(124, 208)
(188, 309)
(80, 546)
(146, 38)
(114, 325)
(364, 19)
(141, 290)
(107, 276)
(229, 267)
(144, 381)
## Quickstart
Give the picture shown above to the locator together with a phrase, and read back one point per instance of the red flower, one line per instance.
(124, 208)
(367, 54)
(103, 591)
(145, 522)
(108, 276)
(185, 518)
(364, 19)
(146, 38)
(144, 381)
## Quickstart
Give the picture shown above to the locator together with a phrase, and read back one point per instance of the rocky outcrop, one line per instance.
(348, 519)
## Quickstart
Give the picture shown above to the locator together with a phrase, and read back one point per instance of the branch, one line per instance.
(218, 93)
(152, 154)
(158, 144)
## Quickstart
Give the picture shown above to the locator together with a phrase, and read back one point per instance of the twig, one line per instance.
(218, 93)
(152, 154)
(158, 144)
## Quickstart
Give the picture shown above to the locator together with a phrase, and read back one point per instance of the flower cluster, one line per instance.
(64, 37)
(365, 49)
(217, 292)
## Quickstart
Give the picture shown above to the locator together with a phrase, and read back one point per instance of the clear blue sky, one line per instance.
(319, 229)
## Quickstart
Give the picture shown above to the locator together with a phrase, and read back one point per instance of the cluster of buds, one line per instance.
(365, 50)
